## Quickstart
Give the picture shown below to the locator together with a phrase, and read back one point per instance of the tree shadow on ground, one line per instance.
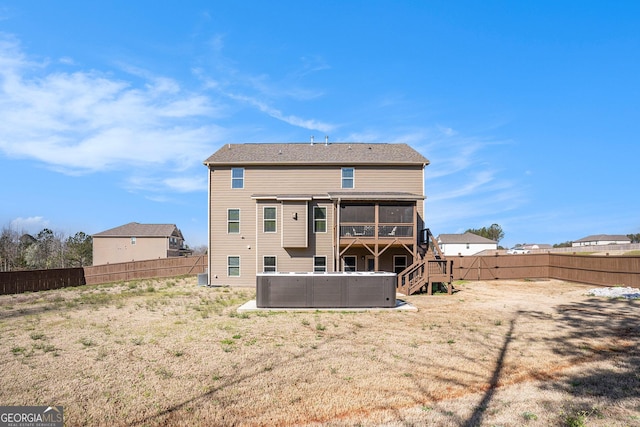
(586, 331)
(480, 409)
(597, 329)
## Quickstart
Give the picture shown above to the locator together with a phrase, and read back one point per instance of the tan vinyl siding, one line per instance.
(107, 250)
(294, 224)
(223, 244)
(322, 179)
(297, 259)
(268, 243)
(322, 244)
(251, 244)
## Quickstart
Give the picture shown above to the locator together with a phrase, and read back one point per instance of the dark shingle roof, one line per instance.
(318, 153)
(141, 230)
(463, 238)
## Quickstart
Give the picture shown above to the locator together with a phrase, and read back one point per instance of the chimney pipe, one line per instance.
(326, 140)
(312, 139)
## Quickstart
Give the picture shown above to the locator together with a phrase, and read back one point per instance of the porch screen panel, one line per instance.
(396, 214)
(358, 214)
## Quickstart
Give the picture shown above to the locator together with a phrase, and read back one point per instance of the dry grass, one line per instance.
(168, 352)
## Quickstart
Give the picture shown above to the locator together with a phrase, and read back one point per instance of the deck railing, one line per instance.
(424, 272)
(369, 230)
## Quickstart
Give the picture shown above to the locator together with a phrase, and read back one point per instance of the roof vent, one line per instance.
(312, 138)
(326, 140)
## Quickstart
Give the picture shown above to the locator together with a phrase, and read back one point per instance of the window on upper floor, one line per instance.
(133, 240)
(348, 178)
(269, 220)
(319, 219)
(233, 221)
(237, 177)
(269, 264)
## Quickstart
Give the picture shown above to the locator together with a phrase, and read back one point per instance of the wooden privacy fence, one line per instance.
(593, 270)
(17, 282)
(500, 267)
(596, 270)
(163, 267)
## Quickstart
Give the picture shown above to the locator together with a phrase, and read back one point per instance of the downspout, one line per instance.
(209, 228)
(336, 247)
(424, 202)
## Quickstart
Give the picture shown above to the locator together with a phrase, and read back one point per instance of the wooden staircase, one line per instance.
(430, 267)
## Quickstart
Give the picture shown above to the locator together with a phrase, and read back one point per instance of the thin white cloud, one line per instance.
(260, 91)
(78, 121)
(86, 121)
(277, 114)
(474, 184)
(187, 183)
(30, 224)
(465, 187)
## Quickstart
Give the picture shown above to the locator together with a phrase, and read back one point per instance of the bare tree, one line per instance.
(47, 251)
(9, 248)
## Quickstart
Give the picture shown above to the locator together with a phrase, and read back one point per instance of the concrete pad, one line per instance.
(400, 305)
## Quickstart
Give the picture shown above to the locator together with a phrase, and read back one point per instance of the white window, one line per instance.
(133, 240)
(233, 266)
(348, 176)
(237, 177)
(269, 264)
(349, 263)
(399, 263)
(269, 220)
(319, 219)
(319, 264)
(233, 221)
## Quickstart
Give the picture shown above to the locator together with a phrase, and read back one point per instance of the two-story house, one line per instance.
(137, 242)
(314, 207)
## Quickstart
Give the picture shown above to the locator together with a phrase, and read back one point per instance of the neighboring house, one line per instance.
(296, 207)
(532, 246)
(602, 239)
(137, 242)
(465, 244)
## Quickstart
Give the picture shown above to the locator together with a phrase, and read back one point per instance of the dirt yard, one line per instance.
(167, 352)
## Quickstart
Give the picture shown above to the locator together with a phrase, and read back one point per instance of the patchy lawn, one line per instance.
(167, 352)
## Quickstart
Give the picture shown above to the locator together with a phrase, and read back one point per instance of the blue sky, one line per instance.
(528, 111)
